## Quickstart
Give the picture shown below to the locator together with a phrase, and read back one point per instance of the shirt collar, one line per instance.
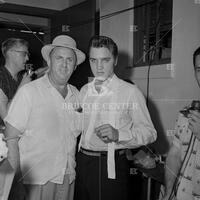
(114, 82)
(111, 83)
(47, 84)
(46, 81)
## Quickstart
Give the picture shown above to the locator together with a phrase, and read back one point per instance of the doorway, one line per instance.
(35, 37)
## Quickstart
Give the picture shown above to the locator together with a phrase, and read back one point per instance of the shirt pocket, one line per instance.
(123, 118)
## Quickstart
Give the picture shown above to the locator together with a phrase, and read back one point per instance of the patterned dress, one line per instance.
(188, 182)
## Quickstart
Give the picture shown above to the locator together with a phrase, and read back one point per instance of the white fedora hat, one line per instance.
(63, 41)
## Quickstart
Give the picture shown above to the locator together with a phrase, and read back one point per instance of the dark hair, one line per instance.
(103, 41)
(12, 42)
(195, 54)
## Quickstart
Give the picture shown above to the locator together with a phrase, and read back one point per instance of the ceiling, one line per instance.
(39, 8)
(31, 12)
(46, 4)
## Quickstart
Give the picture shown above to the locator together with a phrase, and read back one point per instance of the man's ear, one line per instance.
(116, 60)
(48, 61)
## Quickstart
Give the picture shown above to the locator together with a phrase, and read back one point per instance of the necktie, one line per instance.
(98, 85)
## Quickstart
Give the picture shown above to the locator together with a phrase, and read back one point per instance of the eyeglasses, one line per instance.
(24, 53)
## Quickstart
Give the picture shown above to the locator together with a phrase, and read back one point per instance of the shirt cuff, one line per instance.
(124, 135)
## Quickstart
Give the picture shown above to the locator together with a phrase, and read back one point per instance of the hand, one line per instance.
(41, 71)
(26, 78)
(107, 133)
(194, 123)
(166, 197)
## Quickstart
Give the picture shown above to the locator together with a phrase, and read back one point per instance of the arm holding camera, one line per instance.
(26, 78)
(5, 102)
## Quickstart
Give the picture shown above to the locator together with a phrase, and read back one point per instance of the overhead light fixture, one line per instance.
(2, 1)
(25, 31)
(11, 29)
(41, 33)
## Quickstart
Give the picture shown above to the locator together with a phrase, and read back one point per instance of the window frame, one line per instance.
(143, 52)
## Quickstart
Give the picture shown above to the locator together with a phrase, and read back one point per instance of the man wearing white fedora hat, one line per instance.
(43, 145)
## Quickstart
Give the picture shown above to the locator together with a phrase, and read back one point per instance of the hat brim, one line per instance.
(48, 48)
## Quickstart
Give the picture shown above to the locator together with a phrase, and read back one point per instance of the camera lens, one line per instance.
(29, 71)
(29, 68)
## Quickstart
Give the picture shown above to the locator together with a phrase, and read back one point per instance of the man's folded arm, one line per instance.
(140, 130)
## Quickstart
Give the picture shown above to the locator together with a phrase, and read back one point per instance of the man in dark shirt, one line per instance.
(15, 52)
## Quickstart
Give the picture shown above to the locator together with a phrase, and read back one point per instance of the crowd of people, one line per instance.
(43, 119)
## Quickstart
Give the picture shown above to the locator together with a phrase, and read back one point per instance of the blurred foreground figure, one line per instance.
(182, 171)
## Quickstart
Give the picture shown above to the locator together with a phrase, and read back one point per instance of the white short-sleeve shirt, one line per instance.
(47, 123)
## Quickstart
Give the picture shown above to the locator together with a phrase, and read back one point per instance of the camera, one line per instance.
(195, 105)
(29, 68)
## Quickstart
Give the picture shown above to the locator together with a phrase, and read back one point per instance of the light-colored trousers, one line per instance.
(51, 191)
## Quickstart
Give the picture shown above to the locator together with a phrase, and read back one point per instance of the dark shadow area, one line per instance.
(81, 74)
(161, 145)
(35, 45)
(120, 69)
